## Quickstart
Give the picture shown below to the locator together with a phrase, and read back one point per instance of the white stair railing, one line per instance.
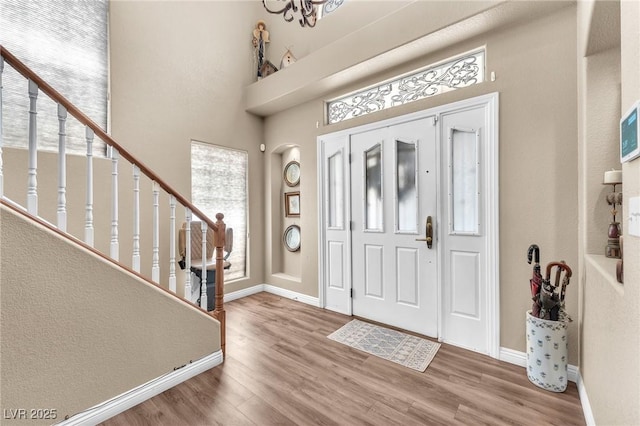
(187, 257)
(32, 181)
(155, 268)
(114, 246)
(136, 219)
(106, 236)
(62, 169)
(203, 276)
(88, 221)
(172, 243)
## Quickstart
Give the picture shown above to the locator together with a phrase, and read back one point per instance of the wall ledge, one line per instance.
(606, 269)
(328, 68)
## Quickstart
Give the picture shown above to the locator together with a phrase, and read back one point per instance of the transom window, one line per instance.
(451, 74)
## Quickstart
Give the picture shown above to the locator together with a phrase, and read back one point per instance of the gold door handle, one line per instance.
(428, 233)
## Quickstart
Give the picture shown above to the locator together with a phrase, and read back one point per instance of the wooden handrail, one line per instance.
(82, 118)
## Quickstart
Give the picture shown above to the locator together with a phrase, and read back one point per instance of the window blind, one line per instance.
(219, 185)
(65, 42)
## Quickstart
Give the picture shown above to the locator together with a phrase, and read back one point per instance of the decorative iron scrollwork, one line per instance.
(430, 81)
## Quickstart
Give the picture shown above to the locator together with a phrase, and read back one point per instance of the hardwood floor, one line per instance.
(281, 369)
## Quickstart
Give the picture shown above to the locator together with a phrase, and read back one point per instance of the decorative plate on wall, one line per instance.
(292, 173)
(291, 238)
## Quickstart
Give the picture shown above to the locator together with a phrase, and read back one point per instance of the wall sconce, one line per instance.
(613, 178)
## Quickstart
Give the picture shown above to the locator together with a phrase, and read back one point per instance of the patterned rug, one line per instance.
(392, 345)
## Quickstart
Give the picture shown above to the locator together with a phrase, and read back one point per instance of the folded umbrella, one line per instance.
(536, 280)
(552, 303)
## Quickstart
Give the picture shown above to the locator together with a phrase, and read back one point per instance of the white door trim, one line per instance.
(492, 207)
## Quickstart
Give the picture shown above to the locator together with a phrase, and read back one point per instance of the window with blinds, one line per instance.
(65, 43)
(219, 185)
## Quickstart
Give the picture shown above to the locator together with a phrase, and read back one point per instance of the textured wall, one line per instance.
(609, 361)
(76, 331)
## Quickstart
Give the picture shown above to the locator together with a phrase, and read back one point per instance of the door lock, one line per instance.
(428, 233)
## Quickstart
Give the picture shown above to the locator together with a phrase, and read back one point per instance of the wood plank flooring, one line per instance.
(280, 369)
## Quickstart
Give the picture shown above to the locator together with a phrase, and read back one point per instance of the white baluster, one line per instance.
(203, 276)
(1, 141)
(155, 267)
(115, 246)
(32, 183)
(172, 243)
(187, 258)
(62, 168)
(135, 262)
(88, 225)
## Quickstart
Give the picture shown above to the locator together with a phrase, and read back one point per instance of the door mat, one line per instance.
(404, 349)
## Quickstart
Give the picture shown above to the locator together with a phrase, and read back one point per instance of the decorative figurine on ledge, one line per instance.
(613, 177)
(267, 69)
(620, 265)
(260, 38)
(287, 59)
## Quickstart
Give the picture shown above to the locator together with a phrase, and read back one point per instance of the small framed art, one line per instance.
(292, 204)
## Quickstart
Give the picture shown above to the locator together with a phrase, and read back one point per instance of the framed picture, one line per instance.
(292, 204)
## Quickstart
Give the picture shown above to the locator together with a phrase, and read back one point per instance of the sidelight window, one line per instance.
(464, 196)
(336, 191)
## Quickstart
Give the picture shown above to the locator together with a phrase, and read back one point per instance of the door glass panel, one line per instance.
(373, 186)
(336, 195)
(464, 182)
(406, 194)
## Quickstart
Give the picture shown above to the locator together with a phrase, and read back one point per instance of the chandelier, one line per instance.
(307, 10)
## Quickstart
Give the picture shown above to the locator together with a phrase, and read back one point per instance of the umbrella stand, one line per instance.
(547, 324)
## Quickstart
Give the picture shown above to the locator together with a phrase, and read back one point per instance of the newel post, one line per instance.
(218, 312)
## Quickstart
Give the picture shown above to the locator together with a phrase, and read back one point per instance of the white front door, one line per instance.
(393, 194)
(379, 184)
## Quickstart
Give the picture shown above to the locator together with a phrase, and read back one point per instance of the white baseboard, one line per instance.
(120, 403)
(289, 294)
(520, 359)
(228, 297)
(313, 301)
(584, 400)
(513, 357)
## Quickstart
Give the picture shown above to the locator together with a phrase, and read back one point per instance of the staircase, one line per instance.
(118, 295)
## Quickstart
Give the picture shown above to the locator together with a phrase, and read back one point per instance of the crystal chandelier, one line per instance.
(306, 10)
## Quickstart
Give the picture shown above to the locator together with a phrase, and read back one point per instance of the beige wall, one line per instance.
(178, 70)
(536, 78)
(76, 331)
(609, 66)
